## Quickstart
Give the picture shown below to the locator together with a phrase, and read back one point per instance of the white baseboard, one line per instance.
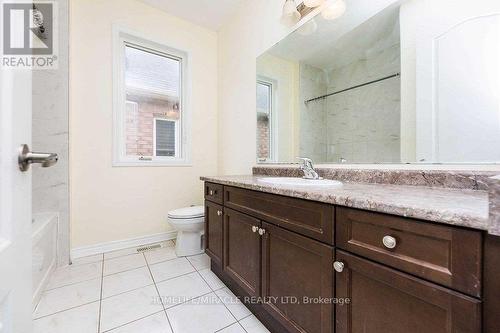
(84, 251)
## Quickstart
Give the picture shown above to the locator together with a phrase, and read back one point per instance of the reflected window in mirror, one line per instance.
(265, 123)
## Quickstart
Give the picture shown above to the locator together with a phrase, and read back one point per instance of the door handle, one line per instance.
(27, 157)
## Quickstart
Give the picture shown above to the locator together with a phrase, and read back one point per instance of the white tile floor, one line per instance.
(150, 292)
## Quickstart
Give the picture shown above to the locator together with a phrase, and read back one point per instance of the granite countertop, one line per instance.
(467, 208)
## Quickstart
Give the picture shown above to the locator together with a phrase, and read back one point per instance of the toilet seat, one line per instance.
(187, 213)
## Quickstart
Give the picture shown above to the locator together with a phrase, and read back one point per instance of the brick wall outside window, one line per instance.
(141, 112)
(263, 137)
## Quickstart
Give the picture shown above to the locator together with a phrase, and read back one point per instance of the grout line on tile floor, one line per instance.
(127, 291)
(158, 292)
(148, 285)
(209, 286)
(175, 277)
(237, 322)
(100, 298)
(71, 308)
(159, 262)
(70, 284)
(131, 269)
(224, 304)
(133, 321)
(127, 270)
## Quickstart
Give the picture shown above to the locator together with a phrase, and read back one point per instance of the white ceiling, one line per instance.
(210, 14)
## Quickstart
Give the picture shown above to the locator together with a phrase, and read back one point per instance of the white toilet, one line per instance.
(190, 224)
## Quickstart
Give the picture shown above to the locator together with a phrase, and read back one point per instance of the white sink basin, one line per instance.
(292, 181)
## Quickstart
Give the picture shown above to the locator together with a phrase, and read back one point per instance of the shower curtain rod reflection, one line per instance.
(354, 87)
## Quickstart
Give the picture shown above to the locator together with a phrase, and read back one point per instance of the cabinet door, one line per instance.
(213, 231)
(242, 257)
(297, 274)
(385, 300)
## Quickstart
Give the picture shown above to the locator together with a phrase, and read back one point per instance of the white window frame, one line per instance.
(121, 38)
(273, 120)
(177, 134)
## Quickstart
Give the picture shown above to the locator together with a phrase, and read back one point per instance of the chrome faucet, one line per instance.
(308, 169)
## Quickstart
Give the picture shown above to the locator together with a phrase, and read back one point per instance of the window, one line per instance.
(165, 137)
(265, 123)
(151, 120)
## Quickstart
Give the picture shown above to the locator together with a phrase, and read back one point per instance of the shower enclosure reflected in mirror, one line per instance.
(366, 88)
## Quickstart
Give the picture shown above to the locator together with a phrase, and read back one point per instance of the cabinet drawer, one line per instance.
(385, 300)
(214, 192)
(442, 254)
(312, 219)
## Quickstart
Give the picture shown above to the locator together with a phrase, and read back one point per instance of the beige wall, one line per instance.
(114, 203)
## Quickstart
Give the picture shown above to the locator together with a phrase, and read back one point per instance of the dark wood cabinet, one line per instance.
(296, 274)
(438, 253)
(422, 277)
(214, 219)
(382, 299)
(242, 255)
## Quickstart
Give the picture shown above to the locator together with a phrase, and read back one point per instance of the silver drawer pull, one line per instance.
(211, 192)
(255, 228)
(262, 231)
(219, 212)
(338, 266)
(389, 242)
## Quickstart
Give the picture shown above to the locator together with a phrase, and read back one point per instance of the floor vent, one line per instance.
(148, 248)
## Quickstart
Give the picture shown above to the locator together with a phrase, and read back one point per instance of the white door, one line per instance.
(15, 203)
(458, 81)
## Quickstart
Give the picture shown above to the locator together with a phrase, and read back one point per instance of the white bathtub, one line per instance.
(44, 240)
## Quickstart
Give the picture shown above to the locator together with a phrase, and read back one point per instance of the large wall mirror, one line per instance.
(415, 81)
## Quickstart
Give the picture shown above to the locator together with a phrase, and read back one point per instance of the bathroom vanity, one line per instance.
(362, 258)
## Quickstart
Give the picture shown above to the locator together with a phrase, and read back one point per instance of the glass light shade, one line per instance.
(289, 8)
(290, 16)
(313, 3)
(334, 10)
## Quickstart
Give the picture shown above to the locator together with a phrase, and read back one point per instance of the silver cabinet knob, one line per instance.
(255, 228)
(211, 192)
(338, 266)
(219, 212)
(262, 231)
(389, 242)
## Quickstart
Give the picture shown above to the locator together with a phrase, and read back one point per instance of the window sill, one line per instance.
(178, 163)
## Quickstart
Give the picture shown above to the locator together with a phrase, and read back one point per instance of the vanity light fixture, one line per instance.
(291, 15)
(333, 9)
(313, 3)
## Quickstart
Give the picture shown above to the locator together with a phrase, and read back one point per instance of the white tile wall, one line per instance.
(50, 130)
